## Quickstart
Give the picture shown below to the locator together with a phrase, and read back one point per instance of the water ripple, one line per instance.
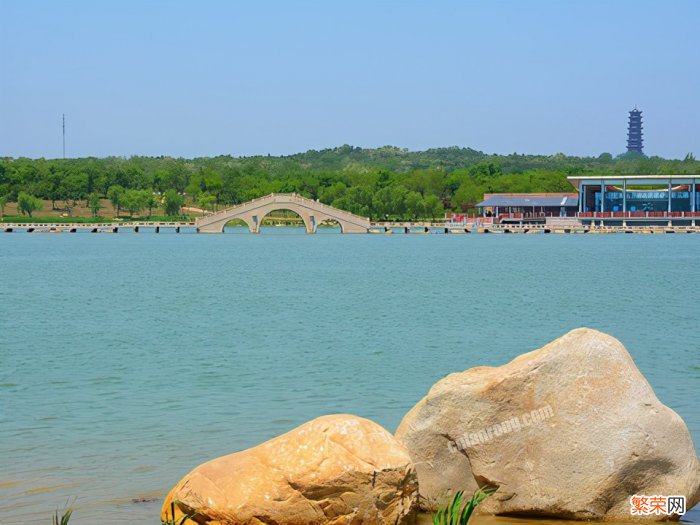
(127, 360)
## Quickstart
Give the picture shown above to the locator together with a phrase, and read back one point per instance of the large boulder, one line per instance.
(335, 469)
(571, 430)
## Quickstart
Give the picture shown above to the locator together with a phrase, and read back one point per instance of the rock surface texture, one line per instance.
(337, 469)
(571, 430)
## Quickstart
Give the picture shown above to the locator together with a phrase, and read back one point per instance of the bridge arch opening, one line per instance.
(236, 226)
(283, 221)
(329, 225)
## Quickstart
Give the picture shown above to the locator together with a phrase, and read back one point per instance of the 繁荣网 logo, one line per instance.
(641, 505)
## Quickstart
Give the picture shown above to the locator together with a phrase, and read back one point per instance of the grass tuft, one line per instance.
(456, 512)
(64, 519)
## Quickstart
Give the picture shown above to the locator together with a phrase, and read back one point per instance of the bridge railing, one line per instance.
(327, 207)
(235, 206)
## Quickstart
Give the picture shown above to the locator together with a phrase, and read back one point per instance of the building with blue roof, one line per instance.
(528, 207)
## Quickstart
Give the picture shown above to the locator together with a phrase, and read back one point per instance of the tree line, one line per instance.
(386, 182)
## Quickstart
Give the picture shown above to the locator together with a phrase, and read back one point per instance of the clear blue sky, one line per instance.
(206, 78)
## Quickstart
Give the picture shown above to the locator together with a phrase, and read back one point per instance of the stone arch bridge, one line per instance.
(311, 212)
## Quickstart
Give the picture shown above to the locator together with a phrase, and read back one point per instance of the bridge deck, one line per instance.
(92, 225)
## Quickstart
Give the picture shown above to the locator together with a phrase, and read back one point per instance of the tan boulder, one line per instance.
(335, 469)
(571, 430)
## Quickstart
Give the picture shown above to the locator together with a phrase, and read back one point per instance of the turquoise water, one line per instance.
(126, 360)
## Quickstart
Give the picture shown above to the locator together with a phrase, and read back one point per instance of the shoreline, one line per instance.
(136, 226)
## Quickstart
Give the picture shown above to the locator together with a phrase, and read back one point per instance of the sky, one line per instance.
(203, 78)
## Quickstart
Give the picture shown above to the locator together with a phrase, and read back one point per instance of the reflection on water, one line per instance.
(126, 360)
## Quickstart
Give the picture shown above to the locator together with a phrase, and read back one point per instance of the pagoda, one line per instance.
(634, 131)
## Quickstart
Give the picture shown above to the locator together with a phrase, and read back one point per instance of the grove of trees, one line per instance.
(28, 204)
(385, 182)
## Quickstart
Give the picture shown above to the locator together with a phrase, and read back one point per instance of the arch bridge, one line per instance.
(311, 212)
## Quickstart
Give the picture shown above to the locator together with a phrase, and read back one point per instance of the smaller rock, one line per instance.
(334, 469)
(144, 500)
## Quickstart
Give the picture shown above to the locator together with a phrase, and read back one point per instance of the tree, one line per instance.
(206, 201)
(175, 177)
(94, 203)
(28, 204)
(151, 202)
(426, 182)
(214, 184)
(332, 192)
(135, 200)
(73, 188)
(195, 187)
(3, 202)
(414, 204)
(389, 202)
(53, 183)
(160, 177)
(172, 202)
(116, 194)
(433, 207)
(468, 194)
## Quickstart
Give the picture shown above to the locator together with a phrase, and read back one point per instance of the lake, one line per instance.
(126, 360)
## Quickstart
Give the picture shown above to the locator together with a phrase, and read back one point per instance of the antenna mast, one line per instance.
(64, 135)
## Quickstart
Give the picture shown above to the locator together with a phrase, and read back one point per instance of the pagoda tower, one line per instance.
(634, 131)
